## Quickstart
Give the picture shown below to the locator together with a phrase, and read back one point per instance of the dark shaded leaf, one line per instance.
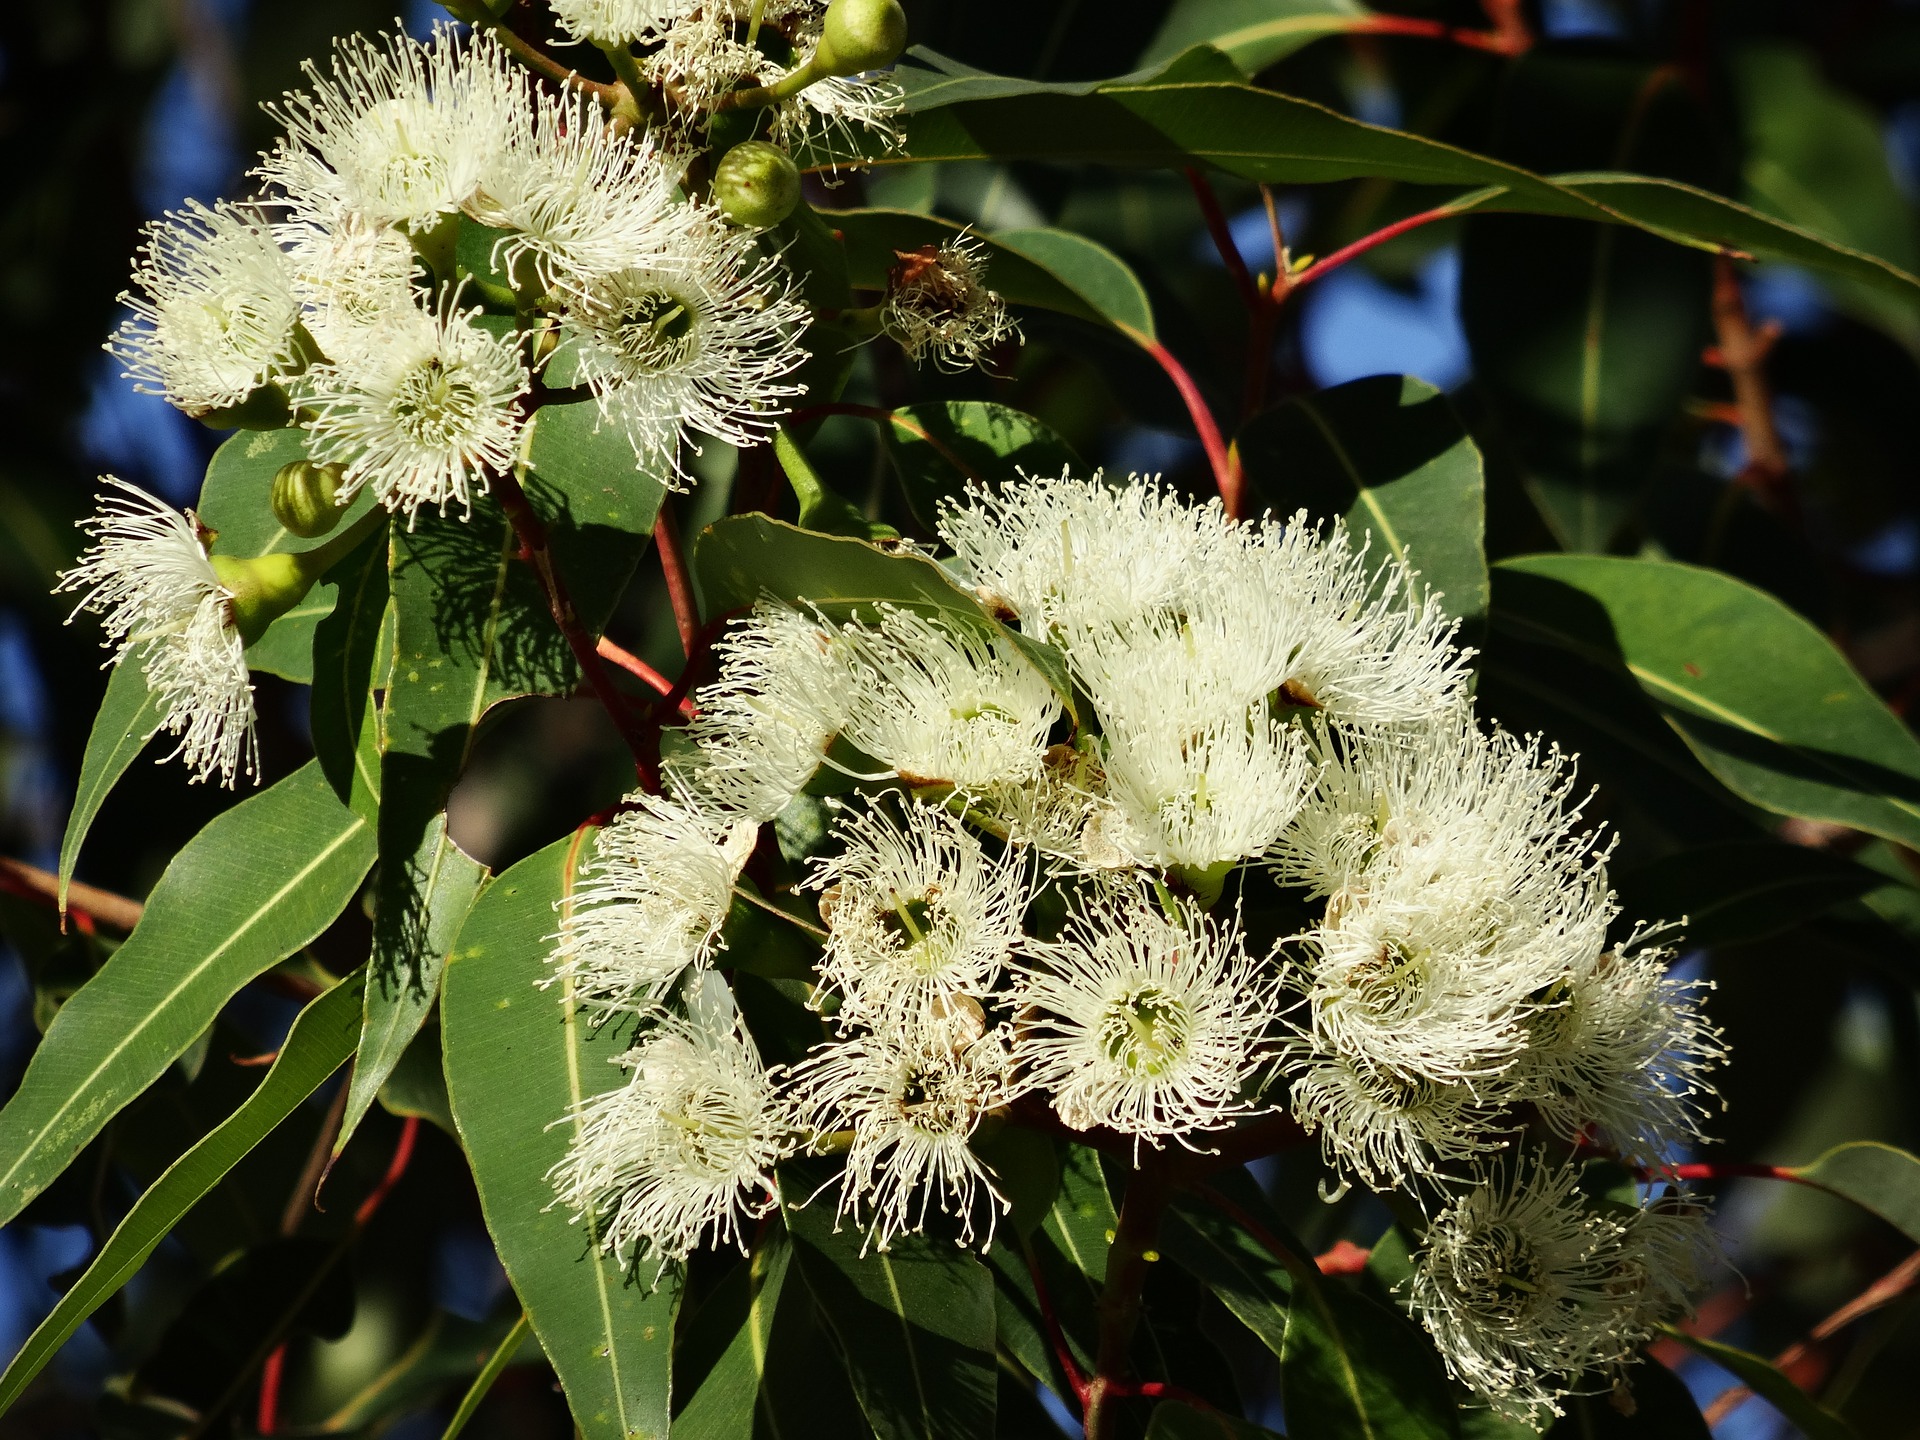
(941, 447)
(1733, 893)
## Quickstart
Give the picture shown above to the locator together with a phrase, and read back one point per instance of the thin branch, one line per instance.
(1883, 1292)
(30, 882)
(1369, 242)
(772, 909)
(1119, 1304)
(673, 566)
(532, 533)
(1055, 1335)
(640, 670)
(1742, 350)
(1226, 467)
(1509, 37)
(1222, 234)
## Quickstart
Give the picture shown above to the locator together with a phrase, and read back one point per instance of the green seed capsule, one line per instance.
(756, 185)
(303, 498)
(860, 35)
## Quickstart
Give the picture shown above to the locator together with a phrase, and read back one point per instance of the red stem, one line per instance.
(267, 1418)
(673, 565)
(1226, 467)
(396, 1167)
(1369, 242)
(1496, 42)
(1222, 235)
(1728, 1170)
(532, 533)
(1062, 1351)
(639, 669)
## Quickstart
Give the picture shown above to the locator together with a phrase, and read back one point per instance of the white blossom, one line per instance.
(938, 306)
(619, 22)
(1153, 1027)
(684, 1151)
(349, 276)
(1384, 1128)
(215, 309)
(401, 132)
(907, 1099)
(1618, 1050)
(917, 912)
(765, 723)
(419, 408)
(652, 901)
(1526, 1288)
(943, 702)
(148, 576)
(1074, 554)
(700, 340)
(583, 199)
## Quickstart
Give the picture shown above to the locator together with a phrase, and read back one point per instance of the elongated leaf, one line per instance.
(1258, 135)
(1662, 1410)
(941, 447)
(1586, 338)
(236, 503)
(730, 1393)
(745, 557)
(398, 999)
(1731, 893)
(253, 887)
(1070, 1250)
(915, 1324)
(1765, 1379)
(519, 1059)
(317, 1045)
(129, 716)
(1252, 33)
(1389, 453)
(342, 715)
(1098, 276)
(1876, 1177)
(1800, 735)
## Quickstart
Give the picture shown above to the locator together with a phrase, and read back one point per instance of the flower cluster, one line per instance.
(1059, 810)
(440, 242)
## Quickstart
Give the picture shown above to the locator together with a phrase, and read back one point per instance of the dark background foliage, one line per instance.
(112, 110)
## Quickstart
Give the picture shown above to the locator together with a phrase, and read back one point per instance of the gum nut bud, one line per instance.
(303, 494)
(756, 185)
(262, 589)
(861, 35)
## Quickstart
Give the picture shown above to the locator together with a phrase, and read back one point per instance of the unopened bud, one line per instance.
(860, 35)
(261, 590)
(303, 498)
(756, 185)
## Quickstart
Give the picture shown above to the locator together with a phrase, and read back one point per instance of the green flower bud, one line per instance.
(303, 498)
(263, 589)
(756, 185)
(860, 35)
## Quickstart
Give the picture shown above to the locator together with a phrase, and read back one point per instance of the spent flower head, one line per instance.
(938, 306)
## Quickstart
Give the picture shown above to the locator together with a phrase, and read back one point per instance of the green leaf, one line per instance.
(1173, 1420)
(1764, 1379)
(318, 1044)
(342, 715)
(601, 509)
(1252, 33)
(1586, 338)
(1733, 893)
(1262, 136)
(930, 80)
(1662, 1409)
(1098, 276)
(1800, 734)
(1814, 156)
(417, 1086)
(1389, 453)
(129, 717)
(519, 1059)
(236, 501)
(447, 883)
(1070, 1250)
(940, 447)
(258, 883)
(1875, 1177)
(731, 1392)
(915, 1323)
(742, 558)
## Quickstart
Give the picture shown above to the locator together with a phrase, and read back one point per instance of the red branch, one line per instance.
(1509, 38)
(1226, 467)
(1222, 235)
(673, 565)
(639, 669)
(1057, 1337)
(85, 903)
(1368, 242)
(396, 1167)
